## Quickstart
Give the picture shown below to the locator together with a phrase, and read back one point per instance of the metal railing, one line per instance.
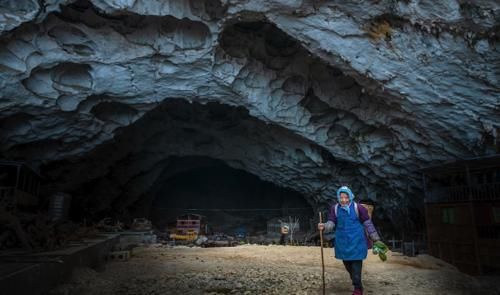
(489, 232)
(489, 191)
(7, 196)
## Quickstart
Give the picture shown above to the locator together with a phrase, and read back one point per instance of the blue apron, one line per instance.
(350, 241)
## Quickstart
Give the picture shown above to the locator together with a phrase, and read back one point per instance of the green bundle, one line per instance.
(381, 249)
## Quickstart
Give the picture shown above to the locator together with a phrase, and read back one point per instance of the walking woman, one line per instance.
(354, 232)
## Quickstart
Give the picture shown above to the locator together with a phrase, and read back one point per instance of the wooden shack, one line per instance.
(19, 185)
(462, 203)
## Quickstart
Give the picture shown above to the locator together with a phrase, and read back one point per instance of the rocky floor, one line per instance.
(252, 269)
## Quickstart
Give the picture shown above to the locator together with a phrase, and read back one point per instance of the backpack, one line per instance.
(369, 208)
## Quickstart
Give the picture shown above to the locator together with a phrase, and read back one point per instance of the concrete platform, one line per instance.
(130, 239)
(36, 273)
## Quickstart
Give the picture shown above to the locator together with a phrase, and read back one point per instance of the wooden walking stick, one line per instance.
(321, 246)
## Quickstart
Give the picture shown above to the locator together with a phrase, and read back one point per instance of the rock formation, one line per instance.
(307, 94)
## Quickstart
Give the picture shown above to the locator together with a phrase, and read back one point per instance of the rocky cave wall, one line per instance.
(306, 94)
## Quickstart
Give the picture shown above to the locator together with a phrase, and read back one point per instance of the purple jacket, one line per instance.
(370, 231)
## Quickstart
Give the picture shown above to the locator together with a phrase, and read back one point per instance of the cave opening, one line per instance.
(183, 158)
(232, 201)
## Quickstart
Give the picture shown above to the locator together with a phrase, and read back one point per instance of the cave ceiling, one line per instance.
(306, 94)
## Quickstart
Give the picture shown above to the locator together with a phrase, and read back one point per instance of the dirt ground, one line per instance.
(254, 269)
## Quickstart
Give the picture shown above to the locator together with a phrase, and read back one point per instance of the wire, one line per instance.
(233, 209)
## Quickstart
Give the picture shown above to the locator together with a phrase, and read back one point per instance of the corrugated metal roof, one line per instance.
(473, 163)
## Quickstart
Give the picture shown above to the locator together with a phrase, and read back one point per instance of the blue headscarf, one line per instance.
(345, 189)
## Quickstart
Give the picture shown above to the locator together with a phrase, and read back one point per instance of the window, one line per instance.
(496, 214)
(448, 215)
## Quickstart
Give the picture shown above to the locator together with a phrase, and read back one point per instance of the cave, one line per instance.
(203, 141)
(233, 201)
(180, 142)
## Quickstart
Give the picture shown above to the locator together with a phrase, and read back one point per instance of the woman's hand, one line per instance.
(321, 226)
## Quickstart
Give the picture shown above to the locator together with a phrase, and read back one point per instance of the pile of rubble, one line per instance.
(217, 240)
